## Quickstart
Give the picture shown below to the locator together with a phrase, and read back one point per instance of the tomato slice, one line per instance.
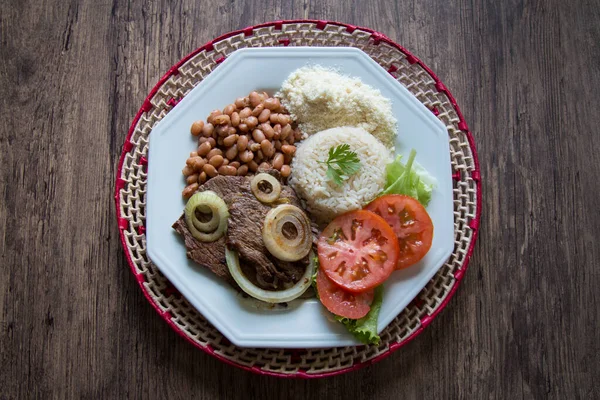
(340, 302)
(358, 251)
(411, 223)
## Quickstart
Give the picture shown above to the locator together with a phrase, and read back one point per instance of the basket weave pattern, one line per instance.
(176, 310)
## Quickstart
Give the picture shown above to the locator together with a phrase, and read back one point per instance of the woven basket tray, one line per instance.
(130, 197)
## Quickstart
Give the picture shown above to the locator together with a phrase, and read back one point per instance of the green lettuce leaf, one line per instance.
(410, 179)
(365, 328)
(313, 281)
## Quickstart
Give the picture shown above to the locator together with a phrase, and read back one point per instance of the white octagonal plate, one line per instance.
(305, 323)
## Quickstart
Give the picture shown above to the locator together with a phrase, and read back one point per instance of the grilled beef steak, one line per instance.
(244, 235)
(212, 254)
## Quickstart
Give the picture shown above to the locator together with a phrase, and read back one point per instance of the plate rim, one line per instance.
(234, 332)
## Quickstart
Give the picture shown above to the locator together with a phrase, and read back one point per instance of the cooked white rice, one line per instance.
(320, 98)
(325, 199)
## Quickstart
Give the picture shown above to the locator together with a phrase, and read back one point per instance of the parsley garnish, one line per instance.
(341, 163)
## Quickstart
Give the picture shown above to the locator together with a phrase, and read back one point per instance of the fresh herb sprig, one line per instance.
(341, 163)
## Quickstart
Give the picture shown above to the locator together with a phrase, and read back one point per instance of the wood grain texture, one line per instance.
(523, 324)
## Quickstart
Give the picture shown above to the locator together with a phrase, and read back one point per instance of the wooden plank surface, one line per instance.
(525, 321)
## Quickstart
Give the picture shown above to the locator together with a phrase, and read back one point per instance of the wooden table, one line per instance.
(524, 323)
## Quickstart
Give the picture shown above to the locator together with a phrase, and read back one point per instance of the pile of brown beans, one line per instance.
(254, 132)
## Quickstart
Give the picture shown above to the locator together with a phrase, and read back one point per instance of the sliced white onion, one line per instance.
(277, 242)
(218, 207)
(207, 226)
(280, 296)
(264, 179)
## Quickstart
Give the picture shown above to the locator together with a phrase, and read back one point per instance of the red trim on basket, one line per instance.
(120, 184)
(474, 224)
(284, 42)
(458, 274)
(143, 160)
(417, 302)
(256, 370)
(296, 355)
(127, 146)
(392, 68)
(435, 111)
(321, 24)
(220, 60)
(172, 291)
(147, 106)
(456, 176)
(141, 229)
(173, 101)
(411, 59)
(248, 31)
(123, 223)
(378, 37)
(426, 320)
